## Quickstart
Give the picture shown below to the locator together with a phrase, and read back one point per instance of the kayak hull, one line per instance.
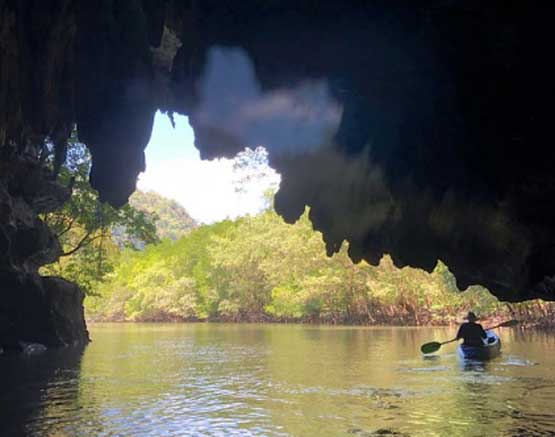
(491, 349)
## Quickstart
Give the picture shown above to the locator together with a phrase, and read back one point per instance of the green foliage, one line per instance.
(84, 225)
(168, 281)
(259, 268)
(254, 268)
(171, 219)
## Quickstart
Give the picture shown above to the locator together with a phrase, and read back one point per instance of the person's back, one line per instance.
(472, 333)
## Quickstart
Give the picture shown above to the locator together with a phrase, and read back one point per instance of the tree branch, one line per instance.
(67, 228)
(85, 241)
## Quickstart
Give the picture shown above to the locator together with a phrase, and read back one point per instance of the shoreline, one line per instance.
(485, 322)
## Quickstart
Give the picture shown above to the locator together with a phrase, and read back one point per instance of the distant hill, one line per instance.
(173, 220)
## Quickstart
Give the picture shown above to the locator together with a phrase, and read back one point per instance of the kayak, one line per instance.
(490, 349)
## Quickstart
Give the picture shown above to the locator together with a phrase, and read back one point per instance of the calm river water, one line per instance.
(278, 380)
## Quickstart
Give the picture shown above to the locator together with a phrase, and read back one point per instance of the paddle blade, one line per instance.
(429, 348)
(509, 323)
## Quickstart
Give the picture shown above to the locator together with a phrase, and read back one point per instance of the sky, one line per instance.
(205, 188)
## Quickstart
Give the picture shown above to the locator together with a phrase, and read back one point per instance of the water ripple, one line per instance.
(197, 380)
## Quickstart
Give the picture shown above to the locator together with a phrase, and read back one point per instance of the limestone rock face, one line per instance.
(48, 311)
(438, 116)
(65, 303)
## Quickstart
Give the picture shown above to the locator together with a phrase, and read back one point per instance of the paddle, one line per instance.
(506, 324)
(433, 346)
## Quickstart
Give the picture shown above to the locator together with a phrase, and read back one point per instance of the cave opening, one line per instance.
(408, 140)
(210, 190)
(405, 130)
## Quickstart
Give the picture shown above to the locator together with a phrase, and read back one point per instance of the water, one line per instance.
(278, 380)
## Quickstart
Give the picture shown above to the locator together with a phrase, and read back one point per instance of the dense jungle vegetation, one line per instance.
(150, 261)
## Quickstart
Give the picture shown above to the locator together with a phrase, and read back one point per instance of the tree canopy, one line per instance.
(171, 219)
(84, 226)
(255, 268)
(260, 268)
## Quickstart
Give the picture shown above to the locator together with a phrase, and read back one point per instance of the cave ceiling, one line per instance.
(420, 129)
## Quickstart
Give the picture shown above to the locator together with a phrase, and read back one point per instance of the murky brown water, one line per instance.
(273, 380)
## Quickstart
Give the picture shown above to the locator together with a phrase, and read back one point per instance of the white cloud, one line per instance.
(204, 188)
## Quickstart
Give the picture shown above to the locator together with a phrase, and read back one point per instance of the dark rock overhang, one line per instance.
(442, 150)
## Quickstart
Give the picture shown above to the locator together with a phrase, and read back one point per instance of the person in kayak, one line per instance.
(471, 332)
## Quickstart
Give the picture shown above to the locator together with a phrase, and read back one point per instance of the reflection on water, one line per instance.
(38, 390)
(198, 379)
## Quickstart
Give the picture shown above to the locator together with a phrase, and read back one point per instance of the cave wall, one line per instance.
(33, 309)
(442, 151)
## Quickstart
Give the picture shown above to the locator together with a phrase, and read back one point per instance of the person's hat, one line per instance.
(471, 317)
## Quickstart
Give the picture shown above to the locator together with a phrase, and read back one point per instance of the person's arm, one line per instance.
(483, 333)
(460, 332)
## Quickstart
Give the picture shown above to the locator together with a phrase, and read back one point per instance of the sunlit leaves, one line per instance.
(258, 267)
(84, 225)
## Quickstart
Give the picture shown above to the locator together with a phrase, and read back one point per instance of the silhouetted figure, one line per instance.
(471, 332)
